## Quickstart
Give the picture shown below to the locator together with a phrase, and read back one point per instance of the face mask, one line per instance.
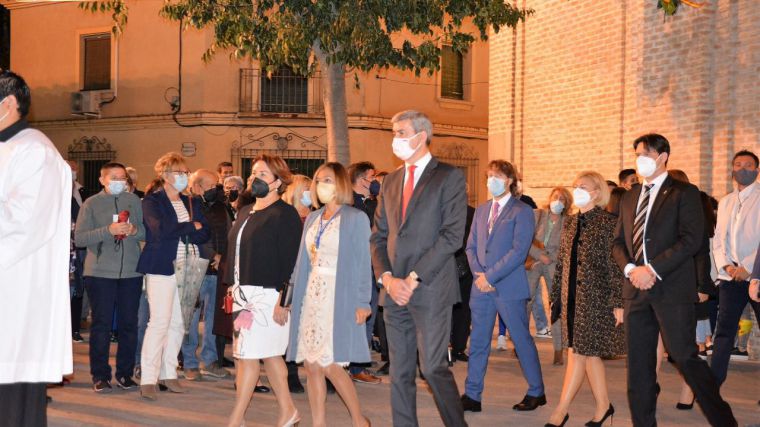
(116, 187)
(496, 186)
(210, 195)
(325, 192)
(7, 112)
(581, 197)
(232, 195)
(306, 198)
(374, 188)
(180, 182)
(646, 166)
(745, 177)
(259, 188)
(557, 207)
(402, 147)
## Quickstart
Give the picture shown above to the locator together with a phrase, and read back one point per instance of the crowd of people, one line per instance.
(320, 271)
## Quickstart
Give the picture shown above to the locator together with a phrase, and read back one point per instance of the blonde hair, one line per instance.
(293, 193)
(167, 162)
(344, 193)
(601, 185)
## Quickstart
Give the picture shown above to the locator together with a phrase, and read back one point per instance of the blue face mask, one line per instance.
(496, 186)
(180, 182)
(116, 187)
(306, 198)
(374, 188)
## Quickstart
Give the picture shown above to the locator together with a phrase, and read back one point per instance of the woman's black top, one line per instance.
(268, 246)
(573, 279)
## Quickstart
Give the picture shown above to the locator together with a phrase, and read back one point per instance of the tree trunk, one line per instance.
(336, 118)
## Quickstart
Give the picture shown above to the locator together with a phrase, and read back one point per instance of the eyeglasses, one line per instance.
(183, 173)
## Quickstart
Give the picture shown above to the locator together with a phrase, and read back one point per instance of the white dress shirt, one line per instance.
(502, 202)
(657, 184)
(421, 165)
(737, 231)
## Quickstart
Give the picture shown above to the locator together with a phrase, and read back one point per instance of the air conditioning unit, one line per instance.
(86, 103)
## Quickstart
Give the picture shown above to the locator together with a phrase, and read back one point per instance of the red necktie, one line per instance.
(494, 215)
(408, 190)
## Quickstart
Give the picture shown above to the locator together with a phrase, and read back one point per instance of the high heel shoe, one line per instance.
(610, 412)
(293, 421)
(685, 406)
(562, 424)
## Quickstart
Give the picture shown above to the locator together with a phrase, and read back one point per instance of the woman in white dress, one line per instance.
(263, 244)
(332, 289)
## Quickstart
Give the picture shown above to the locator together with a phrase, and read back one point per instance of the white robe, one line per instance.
(35, 227)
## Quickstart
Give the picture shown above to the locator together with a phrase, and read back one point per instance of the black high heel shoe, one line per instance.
(685, 406)
(564, 420)
(610, 412)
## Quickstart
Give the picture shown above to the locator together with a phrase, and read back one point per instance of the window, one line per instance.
(303, 162)
(452, 73)
(284, 92)
(96, 61)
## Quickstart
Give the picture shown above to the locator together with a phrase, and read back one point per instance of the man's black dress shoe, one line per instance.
(684, 406)
(461, 356)
(261, 389)
(530, 403)
(295, 386)
(383, 370)
(469, 404)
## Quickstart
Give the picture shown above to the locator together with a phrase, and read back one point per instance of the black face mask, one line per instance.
(259, 188)
(374, 188)
(232, 196)
(212, 194)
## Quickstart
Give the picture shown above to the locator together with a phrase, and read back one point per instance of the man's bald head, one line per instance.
(202, 180)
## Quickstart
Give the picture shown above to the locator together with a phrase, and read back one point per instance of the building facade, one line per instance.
(102, 98)
(577, 82)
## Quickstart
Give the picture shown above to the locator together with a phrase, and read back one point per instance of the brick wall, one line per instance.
(574, 85)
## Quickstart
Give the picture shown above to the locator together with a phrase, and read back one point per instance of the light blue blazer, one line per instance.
(353, 286)
(501, 255)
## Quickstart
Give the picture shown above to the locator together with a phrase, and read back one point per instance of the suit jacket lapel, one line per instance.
(500, 217)
(420, 187)
(662, 194)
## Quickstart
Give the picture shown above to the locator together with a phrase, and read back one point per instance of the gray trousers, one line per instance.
(535, 274)
(425, 329)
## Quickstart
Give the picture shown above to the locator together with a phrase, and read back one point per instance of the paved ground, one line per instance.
(209, 402)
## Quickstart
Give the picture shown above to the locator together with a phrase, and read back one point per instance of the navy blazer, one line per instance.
(163, 232)
(501, 255)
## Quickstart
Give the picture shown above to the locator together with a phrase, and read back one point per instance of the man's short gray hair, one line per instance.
(236, 179)
(420, 122)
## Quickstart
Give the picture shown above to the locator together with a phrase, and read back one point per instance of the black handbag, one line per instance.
(286, 295)
(556, 310)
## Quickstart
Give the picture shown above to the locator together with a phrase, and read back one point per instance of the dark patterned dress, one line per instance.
(590, 285)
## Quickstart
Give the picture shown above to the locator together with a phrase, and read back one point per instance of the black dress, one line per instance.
(572, 280)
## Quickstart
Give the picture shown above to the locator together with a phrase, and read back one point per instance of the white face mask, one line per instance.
(581, 197)
(7, 112)
(496, 186)
(325, 192)
(402, 147)
(557, 207)
(646, 166)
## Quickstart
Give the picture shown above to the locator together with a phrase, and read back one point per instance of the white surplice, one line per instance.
(35, 227)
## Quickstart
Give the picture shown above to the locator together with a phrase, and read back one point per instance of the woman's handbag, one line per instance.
(189, 275)
(286, 295)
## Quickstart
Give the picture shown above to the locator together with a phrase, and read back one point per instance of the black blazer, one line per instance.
(163, 232)
(426, 241)
(674, 234)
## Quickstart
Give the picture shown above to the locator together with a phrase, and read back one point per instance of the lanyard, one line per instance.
(323, 228)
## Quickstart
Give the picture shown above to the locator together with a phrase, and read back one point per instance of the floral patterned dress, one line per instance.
(315, 338)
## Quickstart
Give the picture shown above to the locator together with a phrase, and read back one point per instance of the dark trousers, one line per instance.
(106, 295)
(734, 296)
(644, 320)
(23, 404)
(427, 329)
(76, 286)
(461, 317)
(382, 334)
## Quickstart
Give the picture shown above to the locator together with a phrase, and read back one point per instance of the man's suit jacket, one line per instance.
(426, 241)
(673, 236)
(501, 254)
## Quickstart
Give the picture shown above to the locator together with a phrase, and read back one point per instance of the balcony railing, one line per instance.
(283, 92)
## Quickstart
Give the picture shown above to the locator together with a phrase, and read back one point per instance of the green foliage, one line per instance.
(357, 34)
(118, 9)
(668, 6)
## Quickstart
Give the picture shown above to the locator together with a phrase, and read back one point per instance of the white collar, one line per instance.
(503, 201)
(657, 182)
(746, 192)
(421, 163)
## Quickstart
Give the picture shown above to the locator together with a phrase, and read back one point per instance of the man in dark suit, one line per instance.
(419, 225)
(659, 231)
